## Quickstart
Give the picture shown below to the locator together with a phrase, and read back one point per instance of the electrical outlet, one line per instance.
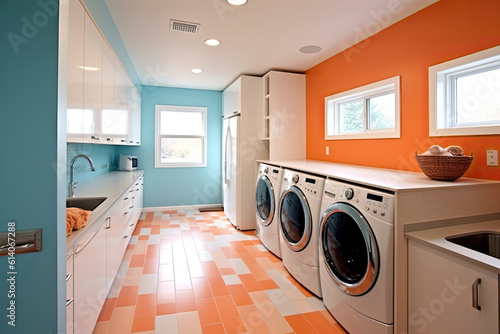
(328, 150)
(492, 158)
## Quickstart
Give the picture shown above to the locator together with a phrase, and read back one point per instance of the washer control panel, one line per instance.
(272, 172)
(368, 201)
(307, 183)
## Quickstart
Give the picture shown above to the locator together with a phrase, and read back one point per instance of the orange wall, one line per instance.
(443, 31)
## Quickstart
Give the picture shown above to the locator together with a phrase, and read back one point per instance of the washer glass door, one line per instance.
(349, 248)
(295, 218)
(264, 200)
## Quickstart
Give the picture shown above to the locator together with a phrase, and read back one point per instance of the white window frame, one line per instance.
(158, 110)
(441, 97)
(390, 85)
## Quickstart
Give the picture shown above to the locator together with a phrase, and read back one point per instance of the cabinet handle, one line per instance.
(96, 137)
(475, 294)
(123, 141)
(82, 246)
(126, 198)
(68, 276)
(69, 301)
(108, 223)
(110, 139)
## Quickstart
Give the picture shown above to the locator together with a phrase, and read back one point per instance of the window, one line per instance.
(464, 95)
(180, 134)
(371, 111)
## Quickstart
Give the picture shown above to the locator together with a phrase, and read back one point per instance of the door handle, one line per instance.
(475, 294)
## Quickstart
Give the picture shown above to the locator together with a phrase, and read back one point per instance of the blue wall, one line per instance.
(180, 186)
(103, 157)
(31, 180)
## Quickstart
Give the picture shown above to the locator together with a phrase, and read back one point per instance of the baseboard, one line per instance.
(204, 207)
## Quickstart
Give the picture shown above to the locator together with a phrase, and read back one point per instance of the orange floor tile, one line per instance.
(189, 272)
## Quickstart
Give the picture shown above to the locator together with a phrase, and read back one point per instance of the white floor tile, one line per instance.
(282, 303)
(166, 324)
(148, 284)
(239, 266)
(231, 279)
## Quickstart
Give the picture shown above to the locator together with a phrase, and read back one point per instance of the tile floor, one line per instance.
(192, 272)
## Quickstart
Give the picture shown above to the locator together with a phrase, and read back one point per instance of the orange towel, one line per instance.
(80, 216)
(70, 223)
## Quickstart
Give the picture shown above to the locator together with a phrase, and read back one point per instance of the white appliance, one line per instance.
(299, 213)
(128, 162)
(267, 192)
(356, 256)
(241, 148)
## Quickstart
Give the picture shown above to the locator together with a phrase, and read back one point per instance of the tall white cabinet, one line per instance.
(284, 115)
(241, 147)
(104, 106)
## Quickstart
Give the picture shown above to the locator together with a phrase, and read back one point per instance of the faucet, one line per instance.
(72, 185)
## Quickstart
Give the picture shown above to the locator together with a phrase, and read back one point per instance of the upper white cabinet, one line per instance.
(104, 106)
(92, 80)
(284, 115)
(448, 295)
(231, 98)
(75, 116)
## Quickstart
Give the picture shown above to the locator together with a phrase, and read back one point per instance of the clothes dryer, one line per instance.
(299, 213)
(267, 191)
(356, 256)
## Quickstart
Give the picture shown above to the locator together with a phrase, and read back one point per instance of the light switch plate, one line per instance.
(492, 158)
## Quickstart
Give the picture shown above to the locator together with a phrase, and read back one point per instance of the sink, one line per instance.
(484, 242)
(86, 203)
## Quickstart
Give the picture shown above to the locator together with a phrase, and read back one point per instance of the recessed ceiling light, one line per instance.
(197, 70)
(237, 2)
(88, 68)
(212, 42)
(310, 49)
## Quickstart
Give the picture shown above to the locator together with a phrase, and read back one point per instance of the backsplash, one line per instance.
(103, 156)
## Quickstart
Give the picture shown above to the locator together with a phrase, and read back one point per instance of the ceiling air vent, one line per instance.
(188, 27)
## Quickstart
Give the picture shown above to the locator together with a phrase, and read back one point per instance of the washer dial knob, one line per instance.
(266, 170)
(295, 178)
(349, 193)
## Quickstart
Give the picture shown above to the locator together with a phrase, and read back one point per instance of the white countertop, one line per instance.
(111, 185)
(389, 179)
(435, 238)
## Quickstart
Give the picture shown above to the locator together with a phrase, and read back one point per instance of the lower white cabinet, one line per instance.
(90, 278)
(449, 295)
(93, 263)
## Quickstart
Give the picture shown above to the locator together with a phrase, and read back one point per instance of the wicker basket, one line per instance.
(443, 168)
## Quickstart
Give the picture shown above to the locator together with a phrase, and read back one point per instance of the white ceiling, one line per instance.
(257, 37)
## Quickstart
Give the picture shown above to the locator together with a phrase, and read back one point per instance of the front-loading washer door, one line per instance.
(295, 218)
(349, 248)
(264, 200)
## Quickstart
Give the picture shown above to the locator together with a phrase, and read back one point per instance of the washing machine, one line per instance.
(267, 191)
(299, 214)
(356, 256)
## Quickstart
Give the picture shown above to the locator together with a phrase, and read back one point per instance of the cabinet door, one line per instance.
(441, 290)
(69, 294)
(92, 80)
(89, 279)
(231, 99)
(76, 126)
(114, 236)
(121, 105)
(134, 129)
(138, 199)
(113, 122)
